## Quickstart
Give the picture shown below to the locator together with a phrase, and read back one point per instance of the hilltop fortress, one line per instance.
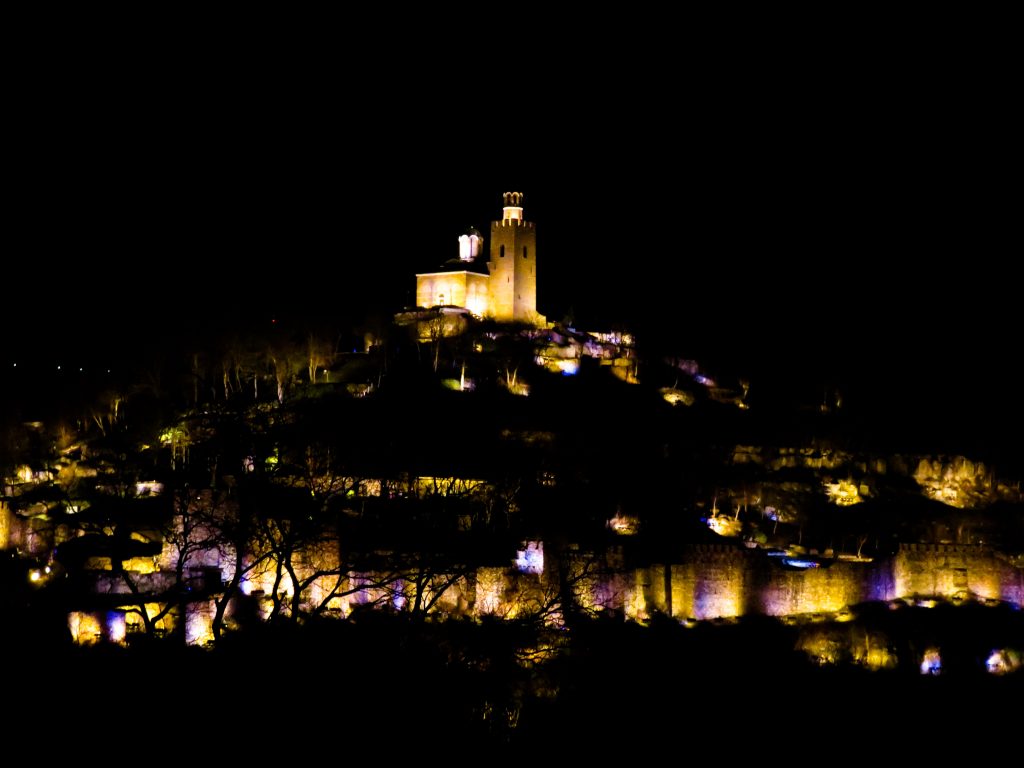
(502, 287)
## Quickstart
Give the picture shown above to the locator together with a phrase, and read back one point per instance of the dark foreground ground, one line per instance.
(384, 686)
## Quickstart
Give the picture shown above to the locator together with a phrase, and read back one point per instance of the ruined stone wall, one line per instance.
(711, 582)
(720, 582)
(948, 570)
(782, 592)
(1011, 582)
(6, 526)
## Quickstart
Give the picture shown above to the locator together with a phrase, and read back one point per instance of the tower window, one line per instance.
(501, 251)
(524, 251)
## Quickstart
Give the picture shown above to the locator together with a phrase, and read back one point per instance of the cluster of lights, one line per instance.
(1003, 661)
(845, 493)
(795, 562)
(724, 525)
(624, 525)
(531, 559)
(38, 575)
(931, 663)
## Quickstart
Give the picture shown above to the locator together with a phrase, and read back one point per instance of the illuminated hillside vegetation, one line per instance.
(489, 514)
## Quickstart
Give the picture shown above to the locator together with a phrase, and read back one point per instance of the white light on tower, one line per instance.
(513, 210)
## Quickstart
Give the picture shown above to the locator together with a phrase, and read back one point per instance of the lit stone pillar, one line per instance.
(199, 622)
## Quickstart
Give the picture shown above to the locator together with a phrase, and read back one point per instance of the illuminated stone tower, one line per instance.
(513, 265)
(505, 286)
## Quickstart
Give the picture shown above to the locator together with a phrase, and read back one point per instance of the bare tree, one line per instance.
(192, 544)
(319, 353)
(417, 581)
(106, 411)
(285, 362)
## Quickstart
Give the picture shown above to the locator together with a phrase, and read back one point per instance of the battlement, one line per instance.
(714, 552)
(947, 570)
(974, 549)
(514, 223)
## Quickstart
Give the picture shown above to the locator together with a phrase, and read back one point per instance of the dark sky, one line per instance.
(818, 217)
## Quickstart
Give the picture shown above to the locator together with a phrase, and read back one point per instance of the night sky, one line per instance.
(813, 204)
(848, 222)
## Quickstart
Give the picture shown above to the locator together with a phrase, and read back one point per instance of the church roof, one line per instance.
(478, 265)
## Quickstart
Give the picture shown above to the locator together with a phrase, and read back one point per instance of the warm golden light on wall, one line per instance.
(85, 628)
(844, 493)
(505, 286)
